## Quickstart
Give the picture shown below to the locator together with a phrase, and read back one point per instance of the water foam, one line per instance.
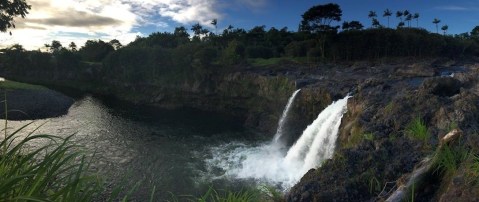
(272, 164)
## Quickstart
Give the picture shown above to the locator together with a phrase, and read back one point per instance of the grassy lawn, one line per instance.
(6, 84)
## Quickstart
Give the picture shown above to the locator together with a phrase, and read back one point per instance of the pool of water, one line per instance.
(162, 148)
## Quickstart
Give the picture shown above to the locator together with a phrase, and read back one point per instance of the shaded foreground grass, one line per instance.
(56, 171)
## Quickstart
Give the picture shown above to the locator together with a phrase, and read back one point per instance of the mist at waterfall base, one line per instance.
(272, 162)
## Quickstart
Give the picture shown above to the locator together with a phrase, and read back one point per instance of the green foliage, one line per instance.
(233, 54)
(417, 130)
(53, 172)
(243, 196)
(11, 9)
(474, 168)
(95, 50)
(449, 158)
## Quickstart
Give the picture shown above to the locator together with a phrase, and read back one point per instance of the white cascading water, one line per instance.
(284, 116)
(270, 163)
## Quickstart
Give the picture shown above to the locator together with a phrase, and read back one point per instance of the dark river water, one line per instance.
(162, 148)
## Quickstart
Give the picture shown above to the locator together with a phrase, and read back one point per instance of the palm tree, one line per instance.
(408, 19)
(372, 15)
(436, 21)
(214, 22)
(376, 23)
(416, 16)
(399, 15)
(444, 29)
(387, 13)
(72, 46)
(406, 12)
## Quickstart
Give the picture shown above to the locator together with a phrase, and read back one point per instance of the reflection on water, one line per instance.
(165, 148)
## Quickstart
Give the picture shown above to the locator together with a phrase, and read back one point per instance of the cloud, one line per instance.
(457, 8)
(253, 4)
(109, 19)
(77, 19)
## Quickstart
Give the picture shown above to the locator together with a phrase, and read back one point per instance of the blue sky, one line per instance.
(80, 20)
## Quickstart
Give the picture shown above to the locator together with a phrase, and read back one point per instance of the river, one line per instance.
(162, 148)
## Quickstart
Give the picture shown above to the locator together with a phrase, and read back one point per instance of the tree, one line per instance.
(399, 15)
(196, 28)
(387, 13)
(400, 25)
(319, 18)
(115, 44)
(72, 46)
(416, 16)
(444, 29)
(408, 19)
(214, 22)
(475, 32)
(372, 15)
(9, 10)
(436, 21)
(353, 25)
(54, 47)
(95, 51)
(376, 23)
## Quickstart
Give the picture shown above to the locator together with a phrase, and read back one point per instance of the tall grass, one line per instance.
(417, 129)
(449, 158)
(243, 196)
(56, 171)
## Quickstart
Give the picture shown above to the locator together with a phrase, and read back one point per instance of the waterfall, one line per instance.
(282, 120)
(271, 163)
(318, 141)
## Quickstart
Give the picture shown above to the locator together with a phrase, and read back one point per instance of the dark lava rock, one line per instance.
(442, 86)
(30, 104)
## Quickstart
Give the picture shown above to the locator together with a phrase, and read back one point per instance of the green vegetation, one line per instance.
(17, 85)
(417, 130)
(243, 196)
(449, 158)
(54, 172)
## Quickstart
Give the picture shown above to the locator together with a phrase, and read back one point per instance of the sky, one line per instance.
(80, 20)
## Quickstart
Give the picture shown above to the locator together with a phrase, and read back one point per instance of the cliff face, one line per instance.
(376, 150)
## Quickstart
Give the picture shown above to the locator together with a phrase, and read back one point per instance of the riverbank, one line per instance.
(30, 102)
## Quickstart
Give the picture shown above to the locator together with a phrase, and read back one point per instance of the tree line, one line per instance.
(172, 57)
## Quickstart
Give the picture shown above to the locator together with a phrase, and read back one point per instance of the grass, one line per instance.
(417, 129)
(56, 171)
(17, 85)
(449, 158)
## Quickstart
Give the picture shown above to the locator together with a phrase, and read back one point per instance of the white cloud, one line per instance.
(457, 8)
(108, 19)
